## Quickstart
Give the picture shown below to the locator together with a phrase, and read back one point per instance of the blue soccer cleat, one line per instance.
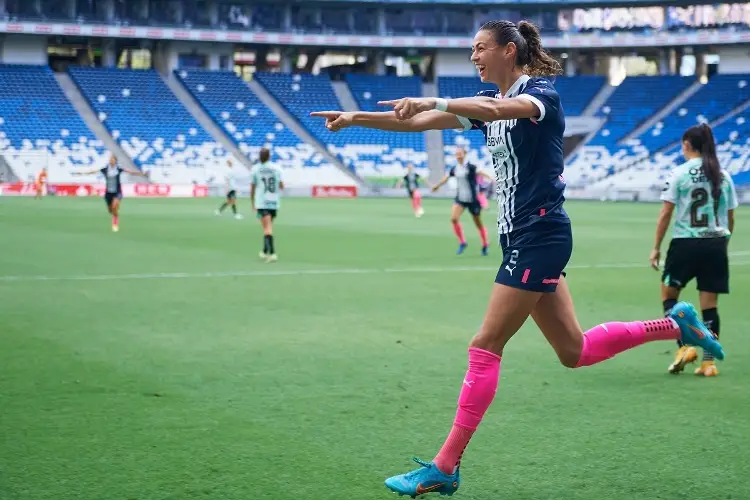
(461, 248)
(427, 479)
(485, 251)
(694, 332)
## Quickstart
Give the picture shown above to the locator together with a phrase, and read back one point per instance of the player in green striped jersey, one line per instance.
(703, 199)
(265, 192)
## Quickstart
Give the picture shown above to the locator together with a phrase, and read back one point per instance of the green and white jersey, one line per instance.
(266, 177)
(230, 179)
(690, 191)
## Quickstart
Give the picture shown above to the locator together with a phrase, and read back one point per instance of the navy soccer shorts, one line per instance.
(110, 197)
(534, 257)
(474, 208)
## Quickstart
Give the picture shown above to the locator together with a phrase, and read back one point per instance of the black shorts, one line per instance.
(231, 194)
(110, 197)
(473, 207)
(704, 259)
(534, 257)
(262, 212)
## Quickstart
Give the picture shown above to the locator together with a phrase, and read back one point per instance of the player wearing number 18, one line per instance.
(265, 187)
(704, 198)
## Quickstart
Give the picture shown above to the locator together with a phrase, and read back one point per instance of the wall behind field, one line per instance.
(734, 59)
(454, 63)
(24, 49)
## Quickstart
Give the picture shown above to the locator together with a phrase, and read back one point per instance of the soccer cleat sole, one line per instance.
(441, 493)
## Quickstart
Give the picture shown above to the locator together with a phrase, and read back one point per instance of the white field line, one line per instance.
(302, 272)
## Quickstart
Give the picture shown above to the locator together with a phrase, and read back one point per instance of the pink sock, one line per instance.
(416, 201)
(477, 392)
(459, 232)
(483, 234)
(606, 340)
(115, 220)
(483, 202)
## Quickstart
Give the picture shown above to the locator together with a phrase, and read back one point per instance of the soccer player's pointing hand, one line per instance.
(408, 107)
(335, 120)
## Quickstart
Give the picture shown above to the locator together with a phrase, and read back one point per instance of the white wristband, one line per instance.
(441, 104)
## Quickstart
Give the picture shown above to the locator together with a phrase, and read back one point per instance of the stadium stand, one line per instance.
(576, 93)
(368, 152)
(150, 124)
(251, 125)
(634, 100)
(39, 127)
(719, 96)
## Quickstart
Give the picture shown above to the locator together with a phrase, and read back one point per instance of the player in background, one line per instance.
(230, 181)
(411, 180)
(265, 187)
(467, 197)
(704, 197)
(113, 191)
(523, 125)
(40, 183)
(483, 187)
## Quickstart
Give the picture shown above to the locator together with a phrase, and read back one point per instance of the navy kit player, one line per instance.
(113, 190)
(411, 180)
(523, 124)
(467, 197)
(704, 199)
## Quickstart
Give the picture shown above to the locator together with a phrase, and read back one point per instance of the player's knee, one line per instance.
(569, 355)
(454, 220)
(487, 342)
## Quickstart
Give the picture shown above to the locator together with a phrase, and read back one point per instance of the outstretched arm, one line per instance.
(85, 172)
(139, 173)
(484, 174)
(440, 184)
(388, 120)
(486, 109)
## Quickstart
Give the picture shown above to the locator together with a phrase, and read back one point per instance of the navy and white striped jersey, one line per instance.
(466, 182)
(527, 156)
(112, 177)
(411, 181)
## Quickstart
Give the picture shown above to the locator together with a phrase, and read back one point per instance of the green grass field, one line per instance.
(167, 362)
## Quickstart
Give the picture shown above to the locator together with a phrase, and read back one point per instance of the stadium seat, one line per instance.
(371, 153)
(576, 92)
(39, 127)
(151, 124)
(251, 125)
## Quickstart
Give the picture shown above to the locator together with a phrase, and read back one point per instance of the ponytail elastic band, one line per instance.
(441, 104)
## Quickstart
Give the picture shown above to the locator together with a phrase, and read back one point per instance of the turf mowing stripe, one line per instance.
(299, 272)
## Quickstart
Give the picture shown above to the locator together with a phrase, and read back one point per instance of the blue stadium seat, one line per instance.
(244, 118)
(368, 152)
(575, 93)
(39, 126)
(149, 122)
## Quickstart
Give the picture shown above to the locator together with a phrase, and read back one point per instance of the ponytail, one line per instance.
(530, 54)
(540, 62)
(701, 139)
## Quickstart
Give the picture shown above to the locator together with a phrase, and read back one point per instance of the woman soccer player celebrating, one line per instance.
(411, 180)
(524, 133)
(467, 197)
(113, 192)
(705, 199)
